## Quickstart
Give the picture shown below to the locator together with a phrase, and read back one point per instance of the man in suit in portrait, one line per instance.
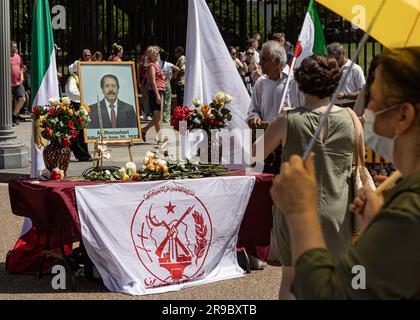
(115, 112)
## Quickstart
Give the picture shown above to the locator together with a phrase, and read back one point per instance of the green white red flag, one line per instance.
(43, 70)
(311, 39)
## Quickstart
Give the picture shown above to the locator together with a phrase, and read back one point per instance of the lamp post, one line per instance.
(13, 154)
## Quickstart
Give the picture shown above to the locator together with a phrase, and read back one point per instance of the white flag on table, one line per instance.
(154, 237)
(210, 68)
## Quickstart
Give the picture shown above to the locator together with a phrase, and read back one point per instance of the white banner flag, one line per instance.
(210, 69)
(154, 237)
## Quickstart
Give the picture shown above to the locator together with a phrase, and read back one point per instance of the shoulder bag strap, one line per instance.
(359, 144)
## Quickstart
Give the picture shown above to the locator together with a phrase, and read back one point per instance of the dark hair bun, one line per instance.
(318, 75)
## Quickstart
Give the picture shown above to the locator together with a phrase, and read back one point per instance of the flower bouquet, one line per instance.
(207, 117)
(59, 122)
(204, 116)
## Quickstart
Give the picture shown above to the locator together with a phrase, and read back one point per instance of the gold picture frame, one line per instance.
(106, 85)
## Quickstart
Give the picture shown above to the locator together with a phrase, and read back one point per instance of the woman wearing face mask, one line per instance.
(360, 108)
(318, 77)
(385, 262)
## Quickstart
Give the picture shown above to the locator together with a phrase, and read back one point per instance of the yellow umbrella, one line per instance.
(397, 25)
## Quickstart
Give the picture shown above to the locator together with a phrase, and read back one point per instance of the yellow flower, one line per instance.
(85, 107)
(125, 177)
(70, 112)
(196, 102)
(220, 96)
(151, 167)
(42, 119)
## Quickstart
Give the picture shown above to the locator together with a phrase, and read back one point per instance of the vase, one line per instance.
(56, 156)
(214, 149)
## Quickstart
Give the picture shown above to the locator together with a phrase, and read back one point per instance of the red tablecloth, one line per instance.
(52, 208)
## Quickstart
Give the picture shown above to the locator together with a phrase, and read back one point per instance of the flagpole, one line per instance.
(343, 80)
(286, 87)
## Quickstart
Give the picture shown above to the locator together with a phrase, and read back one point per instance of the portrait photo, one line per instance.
(110, 91)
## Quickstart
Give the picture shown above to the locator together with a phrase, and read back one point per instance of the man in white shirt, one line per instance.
(268, 90)
(356, 79)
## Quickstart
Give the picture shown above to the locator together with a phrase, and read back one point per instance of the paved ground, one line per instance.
(258, 285)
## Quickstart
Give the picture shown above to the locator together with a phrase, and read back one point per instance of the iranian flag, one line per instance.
(311, 40)
(27, 252)
(43, 69)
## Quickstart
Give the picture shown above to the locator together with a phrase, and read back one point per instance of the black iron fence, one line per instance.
(97, 24)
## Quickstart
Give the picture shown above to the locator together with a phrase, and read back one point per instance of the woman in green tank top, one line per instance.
(318, 78)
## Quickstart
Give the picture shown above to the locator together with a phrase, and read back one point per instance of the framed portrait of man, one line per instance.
(110, 91)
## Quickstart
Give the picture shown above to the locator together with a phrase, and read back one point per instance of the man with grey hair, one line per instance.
(269, 88)
(354, 82)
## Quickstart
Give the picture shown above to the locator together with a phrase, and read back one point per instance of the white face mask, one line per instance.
(379, 144)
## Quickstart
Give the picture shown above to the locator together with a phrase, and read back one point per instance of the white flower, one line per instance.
(143, 167)
(131, 168)
(106, 155)
(107, 172)
(53, 102)
(102, 148)
(150, 154)
(122, 171)
(228, 99)
(196, 102)
(44, 174)
(161, 162)
(66, 101)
